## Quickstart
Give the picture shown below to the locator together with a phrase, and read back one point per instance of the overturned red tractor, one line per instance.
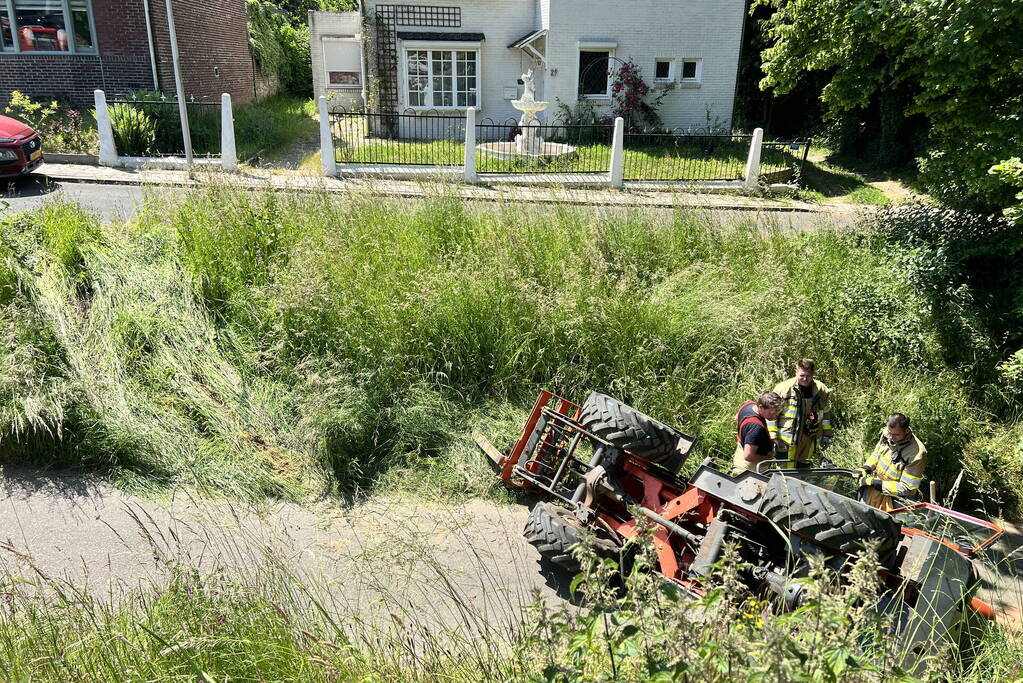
(613, 470)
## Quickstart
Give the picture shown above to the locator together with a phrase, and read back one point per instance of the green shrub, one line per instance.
(1011, 171)
(63, 129)
(134, 130)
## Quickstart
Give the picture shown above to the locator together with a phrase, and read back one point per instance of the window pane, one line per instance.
(443, 83)
(418, 77)
(41, 25)
(6, 41)
(593, 68)
(663, 69)
(689, 69)
(80, 21)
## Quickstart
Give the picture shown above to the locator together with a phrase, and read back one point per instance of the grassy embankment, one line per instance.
(274, 345)
(253, 345)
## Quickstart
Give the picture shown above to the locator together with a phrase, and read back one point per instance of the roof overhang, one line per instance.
(527, 44)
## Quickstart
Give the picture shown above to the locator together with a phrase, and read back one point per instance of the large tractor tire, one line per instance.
(630, 430)
(555, 530)
(826, 518)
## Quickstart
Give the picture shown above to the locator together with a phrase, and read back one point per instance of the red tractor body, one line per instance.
(614, 470)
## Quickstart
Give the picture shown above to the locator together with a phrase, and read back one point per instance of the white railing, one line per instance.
(109, 156)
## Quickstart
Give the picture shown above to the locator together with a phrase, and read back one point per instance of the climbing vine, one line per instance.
(629, 94)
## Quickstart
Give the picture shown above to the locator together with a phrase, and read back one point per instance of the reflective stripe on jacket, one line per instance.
(900, 467)
(792, 422)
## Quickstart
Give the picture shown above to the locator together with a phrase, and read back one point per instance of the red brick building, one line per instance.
(68, 48)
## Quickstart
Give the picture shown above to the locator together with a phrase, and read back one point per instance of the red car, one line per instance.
(21, 148)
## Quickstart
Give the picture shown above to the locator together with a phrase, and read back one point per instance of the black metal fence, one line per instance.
(557, 148)
(429, 139)
(152, 127)
(783, 162)
(687, 157)
(432, 138)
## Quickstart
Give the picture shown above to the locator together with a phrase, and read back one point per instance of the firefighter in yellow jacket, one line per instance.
(896, 465)
(804, 426)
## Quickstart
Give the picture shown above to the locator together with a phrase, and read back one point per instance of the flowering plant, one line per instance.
(628, 95)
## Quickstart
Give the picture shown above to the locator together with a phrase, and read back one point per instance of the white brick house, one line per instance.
(445, 55)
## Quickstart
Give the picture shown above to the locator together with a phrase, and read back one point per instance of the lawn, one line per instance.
(712, 161)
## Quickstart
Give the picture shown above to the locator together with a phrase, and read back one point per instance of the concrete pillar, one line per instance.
(107, 147)
(470, 146)
(617, 172)
(228, 150)
(753, 161)
(327, 158)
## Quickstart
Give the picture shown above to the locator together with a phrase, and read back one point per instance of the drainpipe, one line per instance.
(152, 46)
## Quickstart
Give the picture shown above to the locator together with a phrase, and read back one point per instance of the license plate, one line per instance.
(35, 155)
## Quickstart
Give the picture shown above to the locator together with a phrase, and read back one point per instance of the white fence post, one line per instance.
(327, 158)
(228, 150)
(470, 146)
(617, 172)
(753, 161)
(107, 147)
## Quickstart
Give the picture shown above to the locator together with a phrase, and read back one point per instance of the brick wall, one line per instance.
(212, 40)
(213, 43)
(122, 64)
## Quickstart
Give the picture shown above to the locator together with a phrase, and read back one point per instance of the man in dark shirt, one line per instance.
(754, 442)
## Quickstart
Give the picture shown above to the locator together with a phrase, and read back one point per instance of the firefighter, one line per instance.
(896, 466)
(754, 443)
(804, 426)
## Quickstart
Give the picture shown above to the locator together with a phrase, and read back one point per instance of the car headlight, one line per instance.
(7, 155)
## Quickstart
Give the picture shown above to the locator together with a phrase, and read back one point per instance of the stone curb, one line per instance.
(659, 199)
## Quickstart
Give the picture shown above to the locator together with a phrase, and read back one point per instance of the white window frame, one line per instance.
(671, 69)
(451, 46)
(609, 48)
(698, 79)
(7, 7)
(357, 39)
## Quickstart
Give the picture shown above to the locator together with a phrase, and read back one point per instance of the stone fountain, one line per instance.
(529, 144)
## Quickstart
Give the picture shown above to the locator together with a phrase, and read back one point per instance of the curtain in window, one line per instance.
(442, 78)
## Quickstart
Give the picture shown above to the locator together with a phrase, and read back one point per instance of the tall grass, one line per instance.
(258, 617)
(273, 343)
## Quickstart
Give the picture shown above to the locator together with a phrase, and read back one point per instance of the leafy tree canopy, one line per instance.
(961, 64)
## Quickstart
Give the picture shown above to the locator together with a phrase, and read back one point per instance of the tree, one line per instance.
(959, 64)
(298, 10)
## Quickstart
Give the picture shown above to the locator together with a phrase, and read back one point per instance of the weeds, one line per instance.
(400, 613)
(265, 343)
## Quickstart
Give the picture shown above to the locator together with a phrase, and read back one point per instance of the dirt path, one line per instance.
(388, 560)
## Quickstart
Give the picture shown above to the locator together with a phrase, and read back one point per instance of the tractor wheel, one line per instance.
(827, 518)
(554, 530)
(630, 430)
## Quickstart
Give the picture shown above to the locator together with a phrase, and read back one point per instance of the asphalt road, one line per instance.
(111, 202)
(122, 202)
